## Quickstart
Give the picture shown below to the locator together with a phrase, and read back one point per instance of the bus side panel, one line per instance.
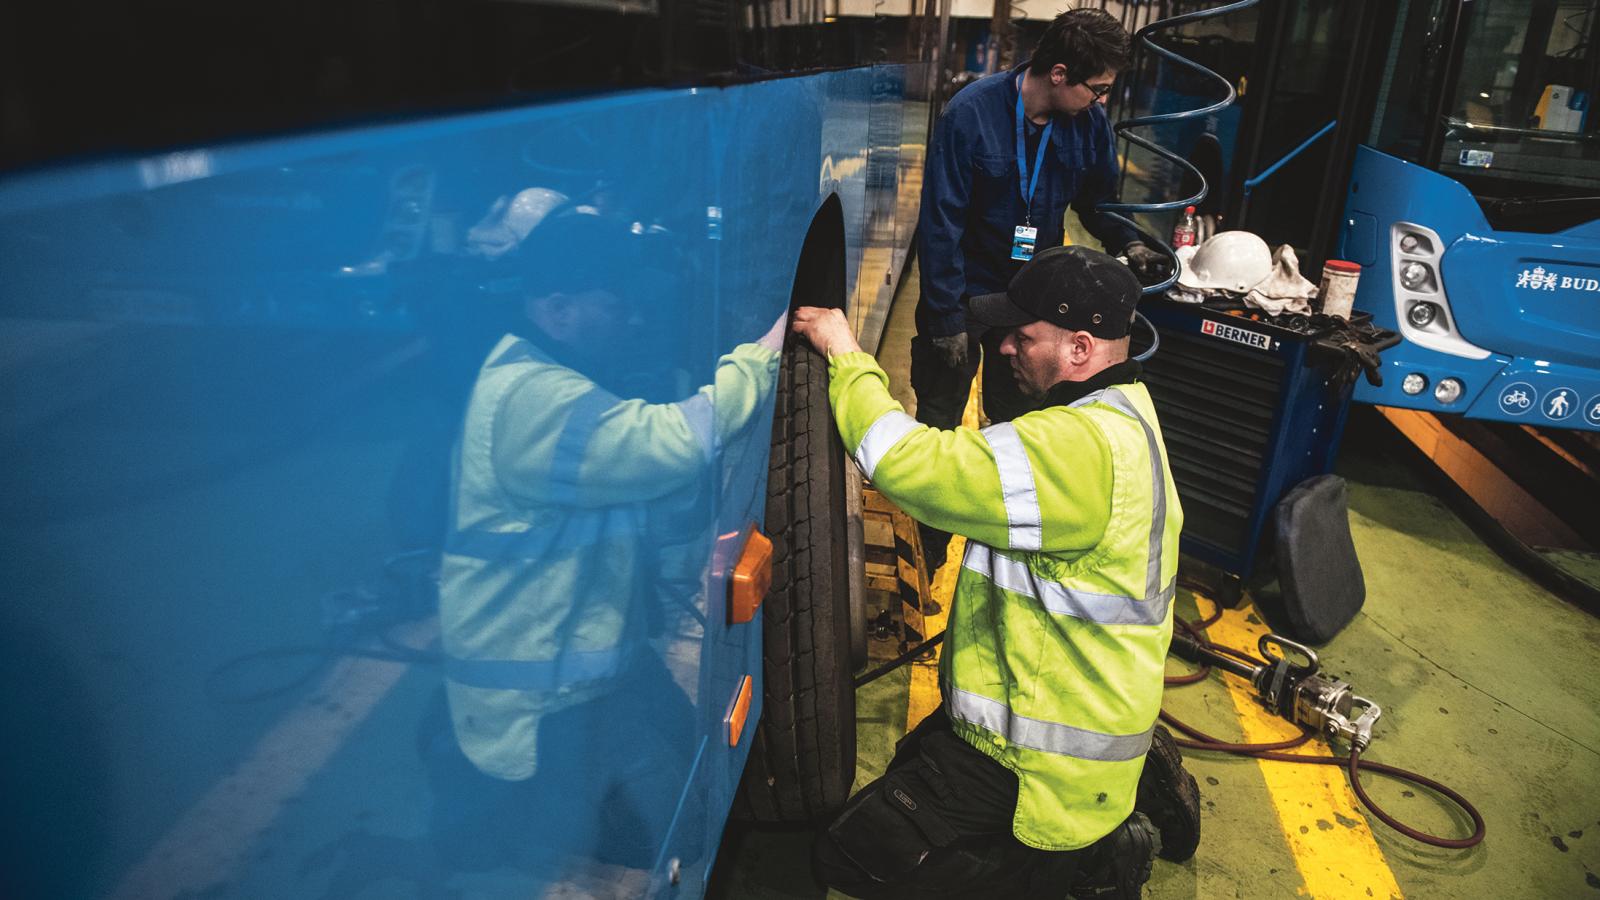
(235, 377)
(1516, 321)
(1531, 295)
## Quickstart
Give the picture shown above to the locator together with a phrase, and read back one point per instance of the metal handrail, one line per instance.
(1120, 211)
(1562, 136)
(1266, 173)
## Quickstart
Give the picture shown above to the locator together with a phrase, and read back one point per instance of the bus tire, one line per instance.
(803, 757)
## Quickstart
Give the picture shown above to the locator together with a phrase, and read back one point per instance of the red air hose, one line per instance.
(1353, 766)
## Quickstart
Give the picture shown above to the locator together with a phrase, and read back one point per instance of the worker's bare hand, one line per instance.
(826, 329)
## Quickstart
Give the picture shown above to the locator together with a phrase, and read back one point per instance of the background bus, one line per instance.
(1475, 206)
(1448, 148)
(253, 263)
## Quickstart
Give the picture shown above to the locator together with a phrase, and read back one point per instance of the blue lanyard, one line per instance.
(1022, 159)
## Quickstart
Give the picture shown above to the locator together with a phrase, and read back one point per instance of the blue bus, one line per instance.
(399, 435)
(1447, 146)
(1474, 206)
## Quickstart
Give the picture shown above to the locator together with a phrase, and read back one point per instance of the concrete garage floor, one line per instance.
(1487, 683)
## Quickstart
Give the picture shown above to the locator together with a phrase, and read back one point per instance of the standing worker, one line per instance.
(1007, 157)
(1023, 782)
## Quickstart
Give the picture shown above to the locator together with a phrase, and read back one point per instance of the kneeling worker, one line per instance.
(1023, 783)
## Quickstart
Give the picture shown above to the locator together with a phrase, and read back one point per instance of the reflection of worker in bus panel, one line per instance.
(1008, 156)
(573, 737)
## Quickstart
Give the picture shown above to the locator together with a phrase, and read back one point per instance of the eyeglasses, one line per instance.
(1098, 90)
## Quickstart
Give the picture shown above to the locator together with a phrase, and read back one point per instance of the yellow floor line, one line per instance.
(924, 691)
(213, 839)
(1331, 840)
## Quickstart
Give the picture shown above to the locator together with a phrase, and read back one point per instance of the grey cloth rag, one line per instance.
(1285, 290)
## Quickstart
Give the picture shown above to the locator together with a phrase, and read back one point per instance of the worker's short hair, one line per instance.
(1086, 41)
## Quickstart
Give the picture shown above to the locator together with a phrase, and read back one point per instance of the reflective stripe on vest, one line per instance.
(1102, 609)
(1048, 737)
(573, 444)
(1026, 523)
(539, 543)
(534, 675)
(702, 419)
(1105, 609)
(1158, 520)
(881, 438)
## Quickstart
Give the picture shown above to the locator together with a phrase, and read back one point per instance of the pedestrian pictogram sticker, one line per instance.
(1559, 403)
(1517, 398)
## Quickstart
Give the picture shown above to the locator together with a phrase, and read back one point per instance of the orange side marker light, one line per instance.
(752, 576)
(737, 715)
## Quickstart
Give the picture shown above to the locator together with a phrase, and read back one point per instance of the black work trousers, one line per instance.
(942, 391)
(938, 824)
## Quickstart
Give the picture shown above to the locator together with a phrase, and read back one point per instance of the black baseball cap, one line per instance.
(1073, 287)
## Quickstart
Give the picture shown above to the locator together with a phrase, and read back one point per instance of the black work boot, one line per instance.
(1117, 866)
(1169, 795)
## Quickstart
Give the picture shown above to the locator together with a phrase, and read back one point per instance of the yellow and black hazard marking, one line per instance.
(895, 563)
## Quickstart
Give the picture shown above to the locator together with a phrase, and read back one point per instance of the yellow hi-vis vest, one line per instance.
(1058, 634)
(540, 587)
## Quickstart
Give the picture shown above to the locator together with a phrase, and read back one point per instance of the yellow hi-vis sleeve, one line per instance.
(1042, 482)
(559, 437)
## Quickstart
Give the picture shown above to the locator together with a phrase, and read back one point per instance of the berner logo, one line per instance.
(1537, 279)
(1238, 335)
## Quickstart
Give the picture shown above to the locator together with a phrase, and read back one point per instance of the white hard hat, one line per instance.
(1229, 261)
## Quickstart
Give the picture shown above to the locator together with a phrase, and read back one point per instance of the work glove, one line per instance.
(1146, 263)
(952, 350)
(1357, 358)
(1367, 356)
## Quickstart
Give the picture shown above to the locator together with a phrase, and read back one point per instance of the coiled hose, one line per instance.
(1121, 211)
(1354, 764)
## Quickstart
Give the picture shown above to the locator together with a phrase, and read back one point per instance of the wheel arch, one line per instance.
(820, 270)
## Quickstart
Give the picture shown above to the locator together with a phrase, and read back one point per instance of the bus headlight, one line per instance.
(1415, 276)
(1414, 384)
(1448, 391)
(1422, 314)
(1421, 300)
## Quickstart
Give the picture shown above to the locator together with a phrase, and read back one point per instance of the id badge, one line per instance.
(1022, 242)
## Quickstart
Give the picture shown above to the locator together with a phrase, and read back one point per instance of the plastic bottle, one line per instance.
(1183, 233)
